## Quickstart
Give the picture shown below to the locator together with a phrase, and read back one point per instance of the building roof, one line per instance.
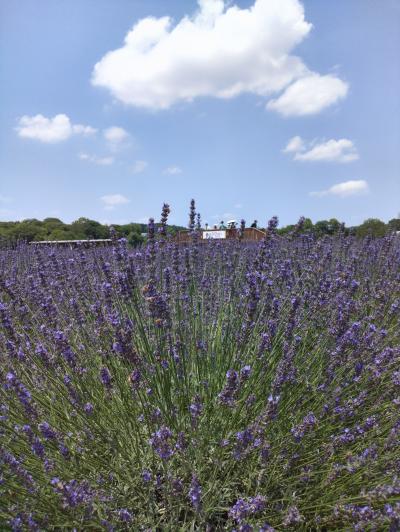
(88, 241)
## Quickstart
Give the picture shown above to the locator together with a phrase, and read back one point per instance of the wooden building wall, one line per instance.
(250, 234)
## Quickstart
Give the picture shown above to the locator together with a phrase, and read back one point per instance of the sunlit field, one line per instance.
(209, 386)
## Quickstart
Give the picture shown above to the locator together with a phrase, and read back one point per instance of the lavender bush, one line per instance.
(216, 386)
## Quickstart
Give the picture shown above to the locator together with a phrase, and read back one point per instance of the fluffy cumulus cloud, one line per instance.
(221, 51)
(101, 161)
(340, 151)
(309, 95)
(347, 188)
(50, 130)
(111, 201)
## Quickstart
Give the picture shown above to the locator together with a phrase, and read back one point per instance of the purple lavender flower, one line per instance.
(105, 377)
(23, 394)
(47, 431)
(244, 439)
(245, 372)
(160, 442)
(146, 475)
(124, 515)
(36, 445)
(164, 218)
(16, 524)
(228, 394)
(273, 224)
(293, 516)
(88, 408)
(16, 466)
(136, 378)
(239, 510)
(196, 409)
(72, 493)
(244, 508)
(195, 493)
(307, 424)
(192, 215)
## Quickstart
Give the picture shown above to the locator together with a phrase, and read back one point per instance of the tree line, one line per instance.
(370, 227)
(82, 229)
(32, 230)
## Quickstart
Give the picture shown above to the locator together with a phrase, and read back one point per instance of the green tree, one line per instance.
(85, 228)
(322, 228)
(327, 227)
(334, 226)
(394, 225)
(135, 238)
(61, 234)
(371, 227)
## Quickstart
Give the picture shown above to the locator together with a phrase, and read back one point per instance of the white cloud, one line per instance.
(78, 129)
(140, 166)
(345, 189)
(295, 144)
(102, 161)
(340, 151)
(115, 135)
(309, 95)
(238, 206)
(221, 51)
(113, 200)
(50, 130)
(173, 170)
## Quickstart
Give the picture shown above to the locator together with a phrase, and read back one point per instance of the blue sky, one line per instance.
(253, 108)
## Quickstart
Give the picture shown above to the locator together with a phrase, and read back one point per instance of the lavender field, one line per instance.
(216, 386)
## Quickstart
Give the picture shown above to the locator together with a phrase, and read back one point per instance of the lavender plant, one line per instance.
(213, 386)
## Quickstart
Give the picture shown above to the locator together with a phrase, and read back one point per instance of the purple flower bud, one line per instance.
(47, 431)
(105, 377)
(88, 408)
(146, 475)
(124, 515)
(195, 493)
(160, 442)
(245, 372)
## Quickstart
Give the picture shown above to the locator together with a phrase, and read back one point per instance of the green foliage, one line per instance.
(394, 224)
(86, 228)
(371, 227)
(327, 227)
(83, 228)
(54, 229)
